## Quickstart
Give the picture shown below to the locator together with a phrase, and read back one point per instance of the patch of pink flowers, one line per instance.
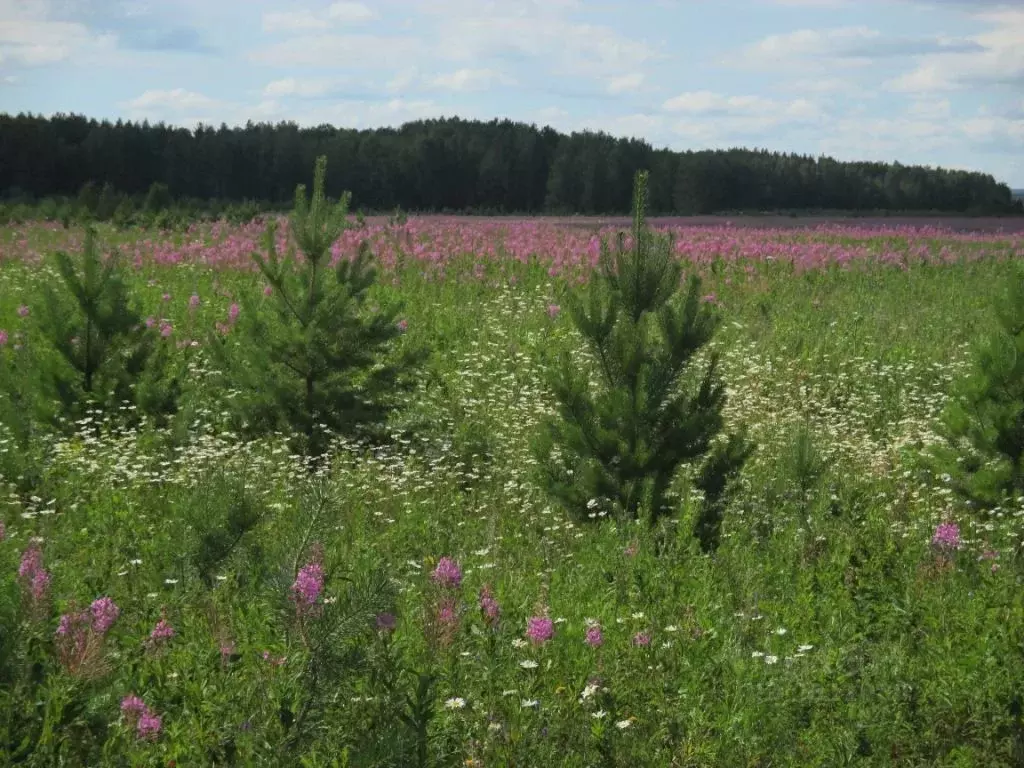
(33, 576)
(447, 573)
(489, 607)
(946, 537)
(309, 584)
(147, 723)
(539, 629)
(162, 631)
(104, 612)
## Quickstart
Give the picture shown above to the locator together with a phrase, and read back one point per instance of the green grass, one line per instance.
(908, 658)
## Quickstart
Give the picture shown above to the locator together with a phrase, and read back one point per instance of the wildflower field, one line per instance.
(176, 594)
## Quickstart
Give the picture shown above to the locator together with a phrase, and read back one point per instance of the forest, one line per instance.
(453, 166)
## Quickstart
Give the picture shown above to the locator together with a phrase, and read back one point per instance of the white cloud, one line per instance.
(710, 103)
(624, 83)
(176, 100)
(348, 51)
(305, 20)
(293, 21)
(29, 38)
(348, 12)
(305, 88)
(470, 80)
(999, 59)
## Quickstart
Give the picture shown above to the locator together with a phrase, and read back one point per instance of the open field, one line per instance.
(826, 630)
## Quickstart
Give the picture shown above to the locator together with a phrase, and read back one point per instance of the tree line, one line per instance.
(454, 165)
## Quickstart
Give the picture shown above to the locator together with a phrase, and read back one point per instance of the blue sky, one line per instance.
(938, 83)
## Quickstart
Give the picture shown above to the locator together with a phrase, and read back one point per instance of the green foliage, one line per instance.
(158, 198)
(98, 353)
(983, 425)
(627, 442)
(316, 360)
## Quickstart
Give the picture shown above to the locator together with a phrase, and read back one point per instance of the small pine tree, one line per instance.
(312, 360)
(983, 424)
(626, 441)
(105, 355)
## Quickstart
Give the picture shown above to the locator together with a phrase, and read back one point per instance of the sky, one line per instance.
(938, 83)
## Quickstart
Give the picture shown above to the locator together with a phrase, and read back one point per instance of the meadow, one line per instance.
(856, 612)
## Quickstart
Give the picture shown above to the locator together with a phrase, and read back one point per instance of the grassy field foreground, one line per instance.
(828, 629)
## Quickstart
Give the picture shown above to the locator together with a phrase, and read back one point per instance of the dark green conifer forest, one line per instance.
(452, 165)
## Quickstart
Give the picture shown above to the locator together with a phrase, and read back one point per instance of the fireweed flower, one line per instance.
(162, 631)
(309, 583)
(132, 706)
(489, 606)
(148, 726)
(539, 629)
(594, 638)
(33, 576)
(104, 613)
(946, 537)
(447, 573)
(233, 312)
(403, 325)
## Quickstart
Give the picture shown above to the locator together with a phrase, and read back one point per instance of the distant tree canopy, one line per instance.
(456, 165)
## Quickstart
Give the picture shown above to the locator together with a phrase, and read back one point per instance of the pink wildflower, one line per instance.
(641, 639)
(946, 537)
(132, 706)
(104, 613)
(193, 301)
(539, 629)
(594, 637)
(32, 574)
(553, 310)
(489, 606)
(268, 290)
(447, 573)
(166, 329)
(233, 312)
(166, 297)
(162, 631)
(3, 337)
(403, 325)
(150, 321)
(23, 311)
(309, 583)
(148, 726)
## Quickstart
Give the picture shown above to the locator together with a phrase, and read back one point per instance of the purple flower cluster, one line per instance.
(594, 638)
(34, 577)
(539, 629)
(946, 537)
(309, 583)
(447, 573)
(489, 607)
(162, 631)
(147, 723)
(104, 612)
